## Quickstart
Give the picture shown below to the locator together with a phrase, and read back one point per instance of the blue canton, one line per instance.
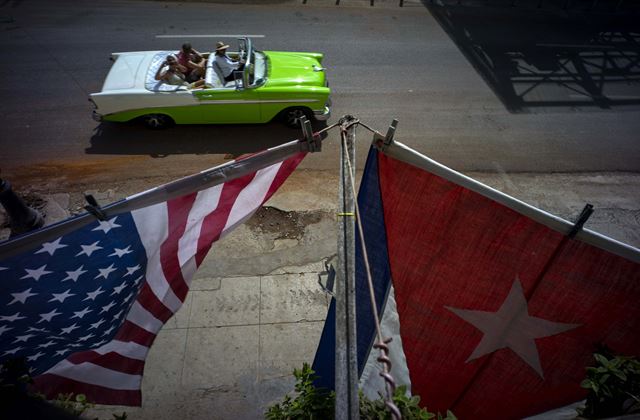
(71, 294)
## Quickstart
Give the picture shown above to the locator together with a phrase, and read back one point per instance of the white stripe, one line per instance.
(251, 197)
(143, 318)
(210, 36)
(96, 375)
(152, 224)
(206, 202)
(124, 348)
(371, 382)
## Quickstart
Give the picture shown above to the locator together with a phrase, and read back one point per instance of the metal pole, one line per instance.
(346, 369)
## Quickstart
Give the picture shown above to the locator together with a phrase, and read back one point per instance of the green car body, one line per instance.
(273, 85)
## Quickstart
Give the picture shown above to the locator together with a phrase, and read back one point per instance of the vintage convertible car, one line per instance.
(273, 85)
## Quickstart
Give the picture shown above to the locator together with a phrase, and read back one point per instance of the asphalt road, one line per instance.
(479, 89)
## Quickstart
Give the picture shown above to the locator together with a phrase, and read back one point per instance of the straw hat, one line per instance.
(221, 46)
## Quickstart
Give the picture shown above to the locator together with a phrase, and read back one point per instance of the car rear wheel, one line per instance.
(291, 117)
(157, 121)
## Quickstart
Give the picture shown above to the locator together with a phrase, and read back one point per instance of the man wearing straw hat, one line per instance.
(226, 64)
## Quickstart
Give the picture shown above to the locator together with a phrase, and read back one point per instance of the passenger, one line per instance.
(193, 61)
(227, 64)
(174, 74)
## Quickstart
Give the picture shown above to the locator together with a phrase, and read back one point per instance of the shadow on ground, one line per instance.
(549, 57)
(134, 139)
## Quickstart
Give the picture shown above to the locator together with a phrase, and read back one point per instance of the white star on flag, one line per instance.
(23, 338)
(60, 297)
(107, 225)
(4, 328)
(73, 275)
(82, 313)
(11, 318)
(47, 317)
(35, 356)
(131, 270)
(107, 307)
(51, 247)
(47, 344)
(118, 289)
(86, 337)
(94, 294)
(96, 324)
(69, 328)
(35, 274)
(104, 272)
(22, 296)
(511, 327)
(13, 351)
(120, 252)
(89, 249)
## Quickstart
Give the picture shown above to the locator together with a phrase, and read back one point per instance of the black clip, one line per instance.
(383, 142)
(314, 143)
(587, 211)
(330, 274)
(94, 208)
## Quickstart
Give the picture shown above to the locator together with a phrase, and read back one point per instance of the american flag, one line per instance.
(83, 310)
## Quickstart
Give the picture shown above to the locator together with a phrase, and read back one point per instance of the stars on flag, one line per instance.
(121, 252)
(49, 316)
(74, 275)
(51, 247)
(107, 225)
(22, 296)
(104, 272)
(511, 327)
(60, 297)
(36, 274)
(93, 295)
(131, 270)
(89, 249)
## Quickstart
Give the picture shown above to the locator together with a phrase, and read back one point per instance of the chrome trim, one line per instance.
(323, 115)
(266, 101)
(316, 68)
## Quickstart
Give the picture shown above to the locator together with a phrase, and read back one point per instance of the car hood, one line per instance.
(294, 69)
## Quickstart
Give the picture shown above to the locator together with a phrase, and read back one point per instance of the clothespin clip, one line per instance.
(94, 208)
(587, 211)
(314, 143)
(383, 142)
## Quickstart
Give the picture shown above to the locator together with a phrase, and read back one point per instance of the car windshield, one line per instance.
(259, 68)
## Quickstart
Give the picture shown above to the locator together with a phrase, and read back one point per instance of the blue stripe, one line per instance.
(372, 216)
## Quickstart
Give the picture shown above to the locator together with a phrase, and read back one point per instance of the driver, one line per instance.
(227, 64)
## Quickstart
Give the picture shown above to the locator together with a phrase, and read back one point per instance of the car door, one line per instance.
(229, 105)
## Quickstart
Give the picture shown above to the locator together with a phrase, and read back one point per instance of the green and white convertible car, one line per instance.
(273, 85)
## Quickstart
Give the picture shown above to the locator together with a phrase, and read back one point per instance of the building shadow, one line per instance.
(135, 139)
(538, 54)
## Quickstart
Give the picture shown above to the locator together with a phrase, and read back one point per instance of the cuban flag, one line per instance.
(82, 309)
(494, 310)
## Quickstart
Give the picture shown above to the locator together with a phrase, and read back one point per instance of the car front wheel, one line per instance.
(157, 121)
(291, 117)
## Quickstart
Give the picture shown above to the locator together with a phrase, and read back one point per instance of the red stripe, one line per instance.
(284, 171)
(149, 301)
(215, 221)
(131, 332)
(178, 212)
(51, 385)
(111, 360)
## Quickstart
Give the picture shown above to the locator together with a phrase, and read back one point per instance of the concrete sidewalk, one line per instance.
(255, 310)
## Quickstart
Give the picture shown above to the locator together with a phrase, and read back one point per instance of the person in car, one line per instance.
(226, 64)
(192, 61)
(172, 72)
